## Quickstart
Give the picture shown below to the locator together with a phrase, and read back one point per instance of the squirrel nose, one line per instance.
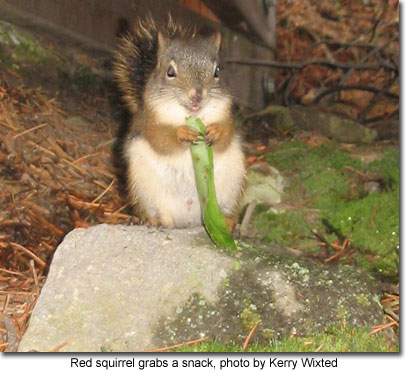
(195, 97)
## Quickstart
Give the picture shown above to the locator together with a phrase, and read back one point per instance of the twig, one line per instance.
(247, 218)
(376, 97)
(103, 193)
(30, 130)
(45, 150)
(356, 171)
(120, 209)
(46, 223)
(339, 253)
(6, 304)
(16, 292)
(39, 261)
(119, 215)
(82, 205)
(35, 277)
(59, 347)
(366, 57)
(85, 157)
(352, 88)
(248, 338)
(12, 272)
(73, 165)
(38, 209)
(372, 223)
(178, 345)
(392, 316)
(288, 87)
(379, 328)
(12, 335)
(321, 237)
(319, 348)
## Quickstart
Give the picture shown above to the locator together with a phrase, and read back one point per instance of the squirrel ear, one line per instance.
(216, 40)
(161, 41)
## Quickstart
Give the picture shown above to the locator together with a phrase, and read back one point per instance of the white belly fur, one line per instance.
(165, 185)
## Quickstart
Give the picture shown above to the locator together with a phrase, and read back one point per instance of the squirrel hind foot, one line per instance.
(234, 227)
(154, 222)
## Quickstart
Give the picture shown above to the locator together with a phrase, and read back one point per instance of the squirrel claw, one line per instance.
(187, 134)
(150, 222)
(212, 134)
(153, 222)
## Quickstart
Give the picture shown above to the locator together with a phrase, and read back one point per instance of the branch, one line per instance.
(302, 65)
(342, 45)
(374, 52)
(353, 88)
(376, 97)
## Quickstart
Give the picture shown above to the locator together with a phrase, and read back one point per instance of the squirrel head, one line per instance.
(186, 81)
(173, 72)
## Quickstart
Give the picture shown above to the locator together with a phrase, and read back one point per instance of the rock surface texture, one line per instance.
(132, 288)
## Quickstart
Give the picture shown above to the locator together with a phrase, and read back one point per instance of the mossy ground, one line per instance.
(41, 63)
(337, 194)
(332, 340)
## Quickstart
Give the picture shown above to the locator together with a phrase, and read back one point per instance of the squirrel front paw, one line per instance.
(187, 134)
(212, 133)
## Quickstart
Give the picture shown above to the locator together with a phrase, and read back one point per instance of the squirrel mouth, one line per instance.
(195, 108)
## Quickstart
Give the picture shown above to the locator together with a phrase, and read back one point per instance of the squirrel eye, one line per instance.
(217, 70)
(171, 73)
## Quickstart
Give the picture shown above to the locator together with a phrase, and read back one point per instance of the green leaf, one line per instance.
(212, 216)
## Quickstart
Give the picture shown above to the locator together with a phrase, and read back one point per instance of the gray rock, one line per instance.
(265, 185)
(131, 288)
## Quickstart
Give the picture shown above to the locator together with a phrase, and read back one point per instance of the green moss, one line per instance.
(342, 313)
(268, 333)
(371, 221)
(81, 79)
(249, 316)
(23, 48)
(332, 199)
(289, 229)
(35, 62)
(334, 339)
(373, 225)
(28, 48)
(363, 300)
